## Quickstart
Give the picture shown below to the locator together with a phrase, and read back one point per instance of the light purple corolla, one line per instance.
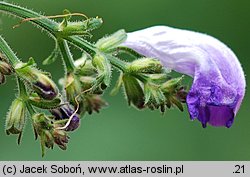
(219, 83)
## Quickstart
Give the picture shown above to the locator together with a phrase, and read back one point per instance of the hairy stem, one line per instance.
(5, 48)
(83, 44)
(23, 13)
(126, 51)
(52, 27)
(24, 96)
(66, 55)
(21, 89)
(122, 65)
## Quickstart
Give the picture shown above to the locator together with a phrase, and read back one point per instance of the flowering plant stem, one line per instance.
(145, 81)
(52, 28)
(5, 48)
(66, 55)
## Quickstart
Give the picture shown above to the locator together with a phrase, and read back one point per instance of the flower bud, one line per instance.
(158, 78)
(60, 138)
(45, 87)
(84, 67)
(65, 112)
(40, 81)
(87, 82)
(46, 129)
(80, 27)
(133, 91)
(73, 89)
(5, 68)
(145, 65)
(41, 122)
(154, 97)
(171, 85)
(112, 41)
(47, 139)
(15, 120)
(93, 102)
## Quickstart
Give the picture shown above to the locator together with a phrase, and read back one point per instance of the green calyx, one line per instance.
(145, 65)
(103, 67)
(15, 120)
(133, 90)
(112, 41)
(81, 28)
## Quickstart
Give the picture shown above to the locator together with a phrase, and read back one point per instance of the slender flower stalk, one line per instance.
(10, 55)
(219, 83)
(66, 55)
(20, 12)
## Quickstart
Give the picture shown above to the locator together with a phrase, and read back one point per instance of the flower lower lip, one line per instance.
(216, 116)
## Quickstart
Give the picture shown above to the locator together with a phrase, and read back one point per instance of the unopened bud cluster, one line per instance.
(84, 86)
(147, 84)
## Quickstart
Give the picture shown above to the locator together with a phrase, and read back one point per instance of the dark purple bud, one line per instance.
(45, 89)
(66, 112)
(42, 84)
(74, 123)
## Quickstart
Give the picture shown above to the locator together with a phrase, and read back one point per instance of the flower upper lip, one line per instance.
(219, 83)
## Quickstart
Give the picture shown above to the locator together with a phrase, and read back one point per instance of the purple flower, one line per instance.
(219, 83)
(64, 112)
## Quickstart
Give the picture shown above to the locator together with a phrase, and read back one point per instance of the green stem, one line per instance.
(30, 108)
(122, 65)
(82, 44)
(21, 88)
(45, 23)
(24, 96)
(126, 50)
(66, 55)
(52, 27)
(5, 48)
(23, 13)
